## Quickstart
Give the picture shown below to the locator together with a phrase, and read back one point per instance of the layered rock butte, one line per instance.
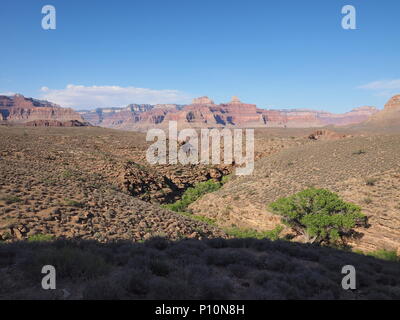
(32, 112)
(389, 116)
(203, 112)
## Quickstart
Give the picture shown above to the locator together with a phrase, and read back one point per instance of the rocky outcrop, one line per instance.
(388, 117)
(393, 103)
(20, 110)
(203, 112)
(55, 123)
(166, 184)
(326, 135)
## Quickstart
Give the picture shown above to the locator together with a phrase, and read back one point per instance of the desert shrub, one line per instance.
(158, 243)
(367, 200)
(301, 251)
(7, 257)
(262, 278)
(217, 243)
(40, 238)
(386, 280)
(188, 259)
(263, 245)
(385, 255)
(284, 289)
(197, 273)
(118, 258)
(203, 219)
(7, 283)
(250, 233)
(319, 215)
(220, 257)
(186, 247)
(72, 263)
(192, 194)
(244, 257)
(239, 270)
(159, 267)
(316, 280)
(11, 199)
(216, 289)
(197, 217)
(225, 179)
(371, 181)
(67, 174)
(169, 289)
(331, 262)
(74, 203)
(103, 290)
(276, 262)
(138, 282)
(241, 243)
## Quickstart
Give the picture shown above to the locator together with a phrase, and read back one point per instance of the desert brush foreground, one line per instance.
(84, 200)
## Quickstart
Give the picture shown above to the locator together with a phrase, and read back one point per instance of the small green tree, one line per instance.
(319, 215)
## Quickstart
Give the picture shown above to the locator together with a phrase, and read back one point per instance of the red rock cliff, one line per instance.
(20, 110)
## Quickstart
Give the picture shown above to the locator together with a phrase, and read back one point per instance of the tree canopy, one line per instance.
(319, 215)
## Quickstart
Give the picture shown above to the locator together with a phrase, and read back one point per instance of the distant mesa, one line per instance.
(235, 100)
(33, 112)
(202, 100)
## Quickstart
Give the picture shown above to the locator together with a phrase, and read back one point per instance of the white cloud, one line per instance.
(81, 97)
(383, 88)
(8, 93)
(382, 85)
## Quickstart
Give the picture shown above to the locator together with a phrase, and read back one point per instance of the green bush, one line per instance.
(319, 215)
(192, 194)
(40, 238)
(250, 233)
(225, 179)
(385, 255)
(198, 218)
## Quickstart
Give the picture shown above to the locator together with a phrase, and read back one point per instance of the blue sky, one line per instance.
(276, 54)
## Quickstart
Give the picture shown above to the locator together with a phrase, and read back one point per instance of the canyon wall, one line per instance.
(27, 111)
(203, 112)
